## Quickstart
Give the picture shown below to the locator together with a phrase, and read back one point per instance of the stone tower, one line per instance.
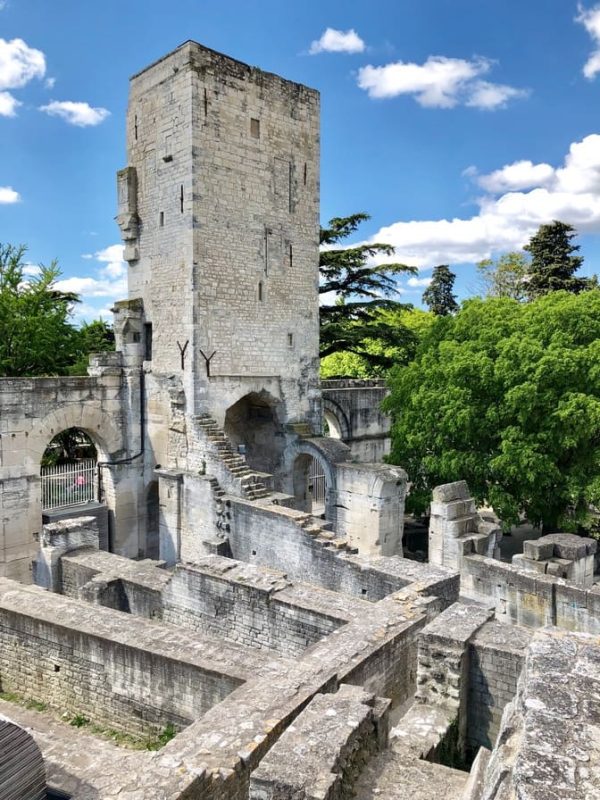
(218, 209)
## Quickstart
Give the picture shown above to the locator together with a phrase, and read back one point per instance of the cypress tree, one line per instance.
(439, 296)
(554, 261)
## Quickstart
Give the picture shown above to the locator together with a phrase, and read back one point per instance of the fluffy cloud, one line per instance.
(507, 220)
(438, 83)
(80, 114)
(517, 176)
(334, 41)
(416, 283)
(19, 64)
(8, 195)
(110, 279)
(8, 105)
(590, 19)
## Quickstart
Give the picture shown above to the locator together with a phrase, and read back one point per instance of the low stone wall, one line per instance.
(117, 670)
(255, 606)
(272, 537)
(496, 656)
(531, 599)
(323, 753)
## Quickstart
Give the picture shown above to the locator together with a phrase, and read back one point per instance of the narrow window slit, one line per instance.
(161, 219)
(255, 128)
(260, 291)
(205, 103)
(181, 198)
(305, 172)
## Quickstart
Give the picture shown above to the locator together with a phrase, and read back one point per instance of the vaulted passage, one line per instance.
(253, 427)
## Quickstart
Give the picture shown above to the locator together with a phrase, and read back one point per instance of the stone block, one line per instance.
(448, 492)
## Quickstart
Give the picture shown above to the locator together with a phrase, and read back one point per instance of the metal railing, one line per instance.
(317, 487)
(69, 484)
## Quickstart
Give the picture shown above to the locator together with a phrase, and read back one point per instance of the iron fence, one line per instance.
(317, 487)
(69, 484)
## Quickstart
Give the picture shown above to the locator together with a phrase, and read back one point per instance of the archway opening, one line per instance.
(253, 428)
(69, 471)
(310, 485)
(331, 425)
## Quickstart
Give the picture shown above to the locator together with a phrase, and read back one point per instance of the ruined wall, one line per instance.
(32, 412)
(109, 667)
(255, 606)
(352, 409)
(496, 657)
(274, 537)
(533, 600)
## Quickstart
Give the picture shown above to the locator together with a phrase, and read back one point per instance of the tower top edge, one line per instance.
(215, 55)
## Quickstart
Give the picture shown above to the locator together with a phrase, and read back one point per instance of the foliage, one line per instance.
(507, 396)
(351, 323)
(93, 337)
(505, 276)
(68, 446)
(553, 261)
(439, 296)
(413, 322)
(35, 335)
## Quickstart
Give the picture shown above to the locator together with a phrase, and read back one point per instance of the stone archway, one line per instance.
(328, 452)
(253, 427)
(337, 421)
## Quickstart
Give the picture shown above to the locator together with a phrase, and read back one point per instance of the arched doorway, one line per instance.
(69, 470)
(335, 422)
(253, 428)
(310, 484)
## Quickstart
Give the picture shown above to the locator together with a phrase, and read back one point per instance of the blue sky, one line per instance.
(459, 125)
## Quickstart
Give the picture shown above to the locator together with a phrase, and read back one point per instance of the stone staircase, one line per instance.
(251, 485)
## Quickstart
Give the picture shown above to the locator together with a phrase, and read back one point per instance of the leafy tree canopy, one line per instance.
(505, 276)
(507, 396)
(439, 296)
(554, 261)
(350, 323)
(36, 335)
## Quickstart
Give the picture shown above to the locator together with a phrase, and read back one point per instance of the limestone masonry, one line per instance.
(233, 616)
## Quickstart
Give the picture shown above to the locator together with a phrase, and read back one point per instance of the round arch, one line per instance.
(336, 419)
(252, 425)
(327, 452)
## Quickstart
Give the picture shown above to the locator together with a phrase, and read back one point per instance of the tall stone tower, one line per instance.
(218, 208)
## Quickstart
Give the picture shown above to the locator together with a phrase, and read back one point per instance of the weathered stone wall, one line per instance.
(326, 749)
(32, 412)
(352, 409)
(272, 536)
(496, 657)
(112, 668)
(255, 606)
(204, 132)
(534, 600)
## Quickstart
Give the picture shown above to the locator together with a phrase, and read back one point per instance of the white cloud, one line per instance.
(8, 105)
(418, 282)
(19, 64)
(590, 19)
(8, 195)
(440, 82)
(334, 41)
(489, 96)
(49, 83)
(517, 176)
(32, 270)
(570, 193)
(110, 279)
(80, 114)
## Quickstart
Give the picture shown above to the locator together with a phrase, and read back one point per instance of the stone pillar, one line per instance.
(57, 539)
(456, 529)
(170, 492)
(370, 507)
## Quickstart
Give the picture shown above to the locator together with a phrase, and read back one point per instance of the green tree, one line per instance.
(505, 276)
(350, 323)
(36, 337)
(507, 396)
(438, 296)
(554, 261)
(93, 337)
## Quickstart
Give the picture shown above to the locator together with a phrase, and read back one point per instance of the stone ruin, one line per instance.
(204, 631)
